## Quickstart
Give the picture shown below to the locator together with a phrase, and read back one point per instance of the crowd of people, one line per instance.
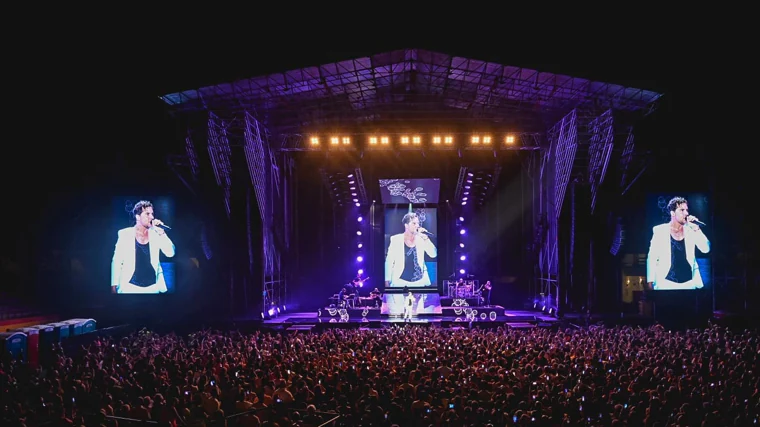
(403, 376)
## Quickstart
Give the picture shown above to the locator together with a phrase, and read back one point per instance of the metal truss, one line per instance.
(556, 170)
(563, 139)
(338, 183)
(409, 83)
(479, 193)
(364, 200)
(460, 183)
(265, 179)
(192, 155)
(220, 153)
(599, 150)
(523, 141)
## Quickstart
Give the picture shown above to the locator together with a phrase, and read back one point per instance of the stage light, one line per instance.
(384, 140)
(436, 139)
(405, 140)
(462, 258)
(448, 140)
(462, 231)
(350, 176)
(359, 259)
(475, 140)
(486, 140)
(359, 233)
(346, 140)
(416, 140)
(464, 203)
(360, 219)
(373, 140)
(334, 140)
(359, 246)
(461, 271)
(461, 245)
(358, 204)
(461, 219)
(314, 140)
(510, 139)
(360, 271)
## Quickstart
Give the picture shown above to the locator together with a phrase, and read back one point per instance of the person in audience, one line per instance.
(403, 375)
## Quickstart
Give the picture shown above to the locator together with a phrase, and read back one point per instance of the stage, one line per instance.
(322, 319)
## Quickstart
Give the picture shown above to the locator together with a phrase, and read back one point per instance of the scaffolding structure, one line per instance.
(566, 121)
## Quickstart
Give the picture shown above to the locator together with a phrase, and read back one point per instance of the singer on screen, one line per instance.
(671, 262)
(135, 267)
(405, 261)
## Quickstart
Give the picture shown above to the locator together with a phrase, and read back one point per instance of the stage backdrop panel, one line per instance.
(417, 191)
(427, 303)
(415, 267)
(661, 248)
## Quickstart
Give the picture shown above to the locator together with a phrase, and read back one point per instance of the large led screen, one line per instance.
(678, 256)
(410, 247)
(143, 248)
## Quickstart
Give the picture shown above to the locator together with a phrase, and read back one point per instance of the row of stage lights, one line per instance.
(445, 140)
(359, 245)
(462, 255)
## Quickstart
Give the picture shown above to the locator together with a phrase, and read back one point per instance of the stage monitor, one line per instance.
(142, 261)
(416, 191)
(411, 251)
(678, 257)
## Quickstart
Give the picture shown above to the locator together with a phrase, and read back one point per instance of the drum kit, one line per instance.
(463, 289)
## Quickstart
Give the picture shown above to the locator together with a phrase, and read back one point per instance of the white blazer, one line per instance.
(123, 263)
(394, 260)
(658, 259)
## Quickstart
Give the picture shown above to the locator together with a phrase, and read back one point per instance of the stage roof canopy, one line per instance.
(409, 86)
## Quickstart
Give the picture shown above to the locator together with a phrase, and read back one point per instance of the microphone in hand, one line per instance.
(158, 223)
(425, 232)
(696, 222)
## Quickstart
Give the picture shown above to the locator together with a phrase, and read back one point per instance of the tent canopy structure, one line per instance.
(409, 86)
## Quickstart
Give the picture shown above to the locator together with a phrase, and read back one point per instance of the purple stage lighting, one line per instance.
(461, 271)
(462, 231)
(462, 258)
(359, 246)
(461, 245)
(359, 258)
(358, 204)
(360, 271)
(360, 219)
(461, 219)
(358, 233)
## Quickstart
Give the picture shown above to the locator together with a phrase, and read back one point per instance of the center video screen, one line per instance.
(143, 248)
(411, 251)
(679, 242)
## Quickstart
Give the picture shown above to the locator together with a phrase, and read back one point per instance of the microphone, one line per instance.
(698, 222)
(164, 226)
(427, 233)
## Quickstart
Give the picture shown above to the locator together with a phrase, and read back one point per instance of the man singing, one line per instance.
(405, 261)
(671, 262)
(409, 305)
(135, 268)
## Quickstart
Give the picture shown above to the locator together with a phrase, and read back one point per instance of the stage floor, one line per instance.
(511, 318)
